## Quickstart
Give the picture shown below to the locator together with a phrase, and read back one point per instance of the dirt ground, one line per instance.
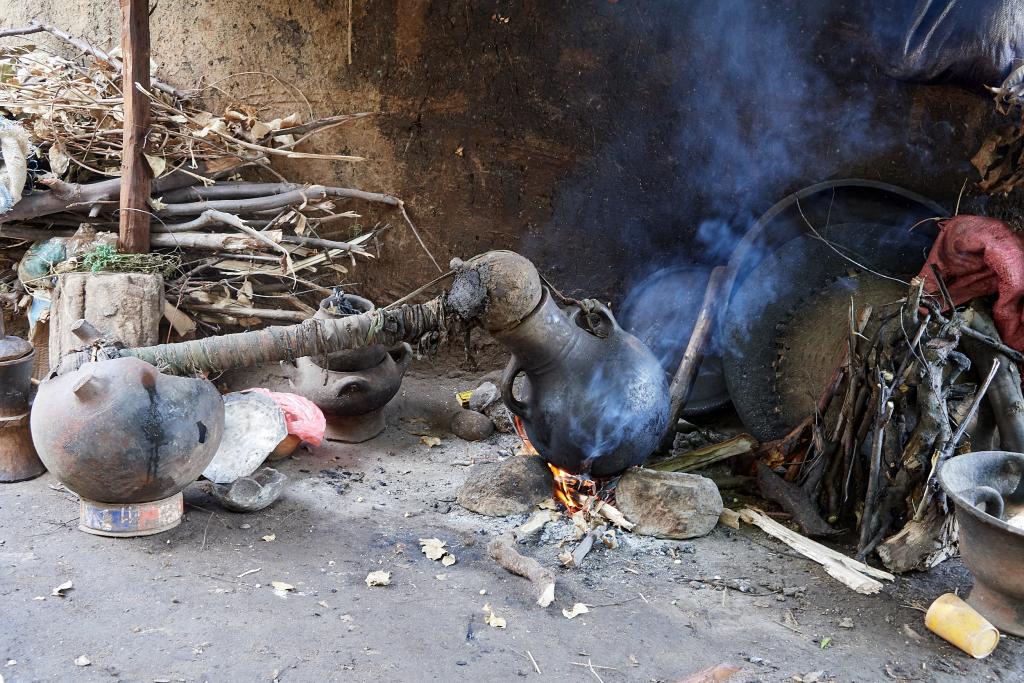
(196, 603)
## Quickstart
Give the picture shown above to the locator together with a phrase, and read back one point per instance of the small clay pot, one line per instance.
(352, 402)
(286, 447)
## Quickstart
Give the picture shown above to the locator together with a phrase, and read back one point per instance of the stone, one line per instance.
(126, 307)
(514, 486)
(668, 504)
(483, 396)
(501, 418)
(471, 425)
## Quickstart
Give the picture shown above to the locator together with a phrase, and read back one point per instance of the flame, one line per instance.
(570, 490)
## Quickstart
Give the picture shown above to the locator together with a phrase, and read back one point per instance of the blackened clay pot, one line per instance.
(591, 404)
(120, 431)
(352, 401)
(352, 359)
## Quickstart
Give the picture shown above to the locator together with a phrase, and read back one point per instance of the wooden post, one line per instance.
(682, 382)
(135, 172)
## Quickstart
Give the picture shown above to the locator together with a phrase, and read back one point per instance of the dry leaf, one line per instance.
(156, 203)
(577, 609)
(59, 590)
(259, 130)
(282, 586)
(269, 537)
(448, 560)
(492, 619)
(433, 548)
(378, 578)
(82, 660)
(59, 160)
(712, 674)
(430, 441)
(156, 164)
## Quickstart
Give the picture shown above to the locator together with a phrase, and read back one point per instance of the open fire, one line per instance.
(572, 491)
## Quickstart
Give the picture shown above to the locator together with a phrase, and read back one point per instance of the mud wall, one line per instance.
(582, 133)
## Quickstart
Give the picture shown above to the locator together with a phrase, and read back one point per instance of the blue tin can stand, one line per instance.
(131, 519)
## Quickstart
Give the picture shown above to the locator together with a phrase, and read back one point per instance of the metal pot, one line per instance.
(119, 431)
(986, 486)
(592, 404)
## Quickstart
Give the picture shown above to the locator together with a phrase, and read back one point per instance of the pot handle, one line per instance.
(349, 384)
(508, 378)
(405, 356)
(987, 496)
(596, 307)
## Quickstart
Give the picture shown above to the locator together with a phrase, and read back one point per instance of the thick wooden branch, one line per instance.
(1005, 394)
(68, 196)
(275, 314)
(312, 337)
(214, 241)
(313, 193)
(503, 550)
(244, 190)
(682, 381)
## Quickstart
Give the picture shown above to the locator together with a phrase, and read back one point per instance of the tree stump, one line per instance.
(122, 306)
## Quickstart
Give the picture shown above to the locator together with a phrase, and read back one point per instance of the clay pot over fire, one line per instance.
(595, 401)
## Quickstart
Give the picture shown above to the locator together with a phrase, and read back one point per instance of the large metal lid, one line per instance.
(12, 348)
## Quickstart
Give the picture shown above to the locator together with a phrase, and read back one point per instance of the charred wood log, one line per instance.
(1005, 394)
(794, 500)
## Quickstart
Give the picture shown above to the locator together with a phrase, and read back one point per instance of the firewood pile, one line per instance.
(233, 250)
(906, 394)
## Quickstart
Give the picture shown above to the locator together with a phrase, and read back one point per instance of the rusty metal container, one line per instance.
(18, 458)
(987, 489)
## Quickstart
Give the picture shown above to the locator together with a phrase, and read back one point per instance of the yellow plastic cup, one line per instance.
(959, 623)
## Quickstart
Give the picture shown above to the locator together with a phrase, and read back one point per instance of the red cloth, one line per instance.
(980, 256)
(302, 417)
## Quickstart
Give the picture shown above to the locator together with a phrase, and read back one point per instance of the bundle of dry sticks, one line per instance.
(918, 382)
(236, 241)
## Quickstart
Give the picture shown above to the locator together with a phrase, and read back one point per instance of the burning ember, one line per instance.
(572, 491)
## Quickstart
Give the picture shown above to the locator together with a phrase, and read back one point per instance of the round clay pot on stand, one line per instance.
(127, 439)
(351, 387)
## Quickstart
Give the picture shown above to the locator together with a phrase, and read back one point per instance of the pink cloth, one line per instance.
(979, 256)
(302, 417)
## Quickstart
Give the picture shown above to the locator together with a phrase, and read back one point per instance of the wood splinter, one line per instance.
(503, 550)
(575, 558)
